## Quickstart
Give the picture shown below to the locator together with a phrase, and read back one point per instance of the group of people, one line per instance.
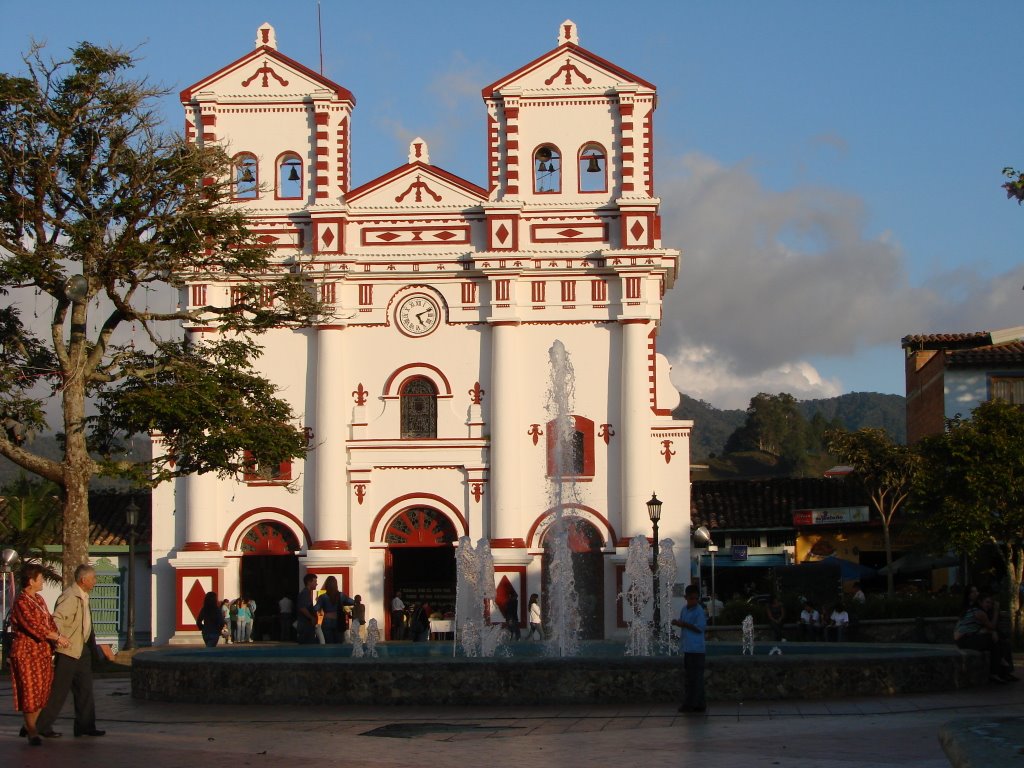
(230, 620)
(814, 626)
(410, 621)
(51, 654)
(321, 617)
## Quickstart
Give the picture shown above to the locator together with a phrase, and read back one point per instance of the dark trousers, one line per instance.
(981, 641)
(397, 625)
(693, 679)
(74, 675)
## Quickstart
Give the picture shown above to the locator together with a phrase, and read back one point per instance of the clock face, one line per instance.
(418, 315)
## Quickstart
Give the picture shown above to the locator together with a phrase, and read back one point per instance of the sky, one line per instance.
(830, 171)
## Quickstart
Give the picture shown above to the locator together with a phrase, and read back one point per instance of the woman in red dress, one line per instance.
(34, 635)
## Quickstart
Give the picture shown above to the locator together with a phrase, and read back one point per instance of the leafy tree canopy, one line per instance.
(98, 207)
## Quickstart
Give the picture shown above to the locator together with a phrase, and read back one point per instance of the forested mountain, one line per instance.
(713, 427)
(48, 446)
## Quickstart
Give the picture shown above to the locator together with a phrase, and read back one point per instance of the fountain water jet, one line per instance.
(562, 615)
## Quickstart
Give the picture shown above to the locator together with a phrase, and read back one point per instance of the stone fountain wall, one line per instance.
(206, 676)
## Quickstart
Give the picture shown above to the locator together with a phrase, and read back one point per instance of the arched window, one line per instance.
(593, 168)
(547, 169)
(419, 408)
(247, 179)
(289, 177)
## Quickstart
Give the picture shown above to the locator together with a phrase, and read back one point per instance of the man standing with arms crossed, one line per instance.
(73, 667)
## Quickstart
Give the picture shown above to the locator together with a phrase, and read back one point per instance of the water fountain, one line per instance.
(638, 595)
(562, 616)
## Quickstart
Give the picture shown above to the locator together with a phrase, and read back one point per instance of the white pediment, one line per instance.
(416, 186)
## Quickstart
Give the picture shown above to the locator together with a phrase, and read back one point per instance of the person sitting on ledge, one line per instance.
(975, 631)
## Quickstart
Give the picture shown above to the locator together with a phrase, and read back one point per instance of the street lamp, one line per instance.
(131, 513)
(654, 512)
(7, 560)
(703, 537)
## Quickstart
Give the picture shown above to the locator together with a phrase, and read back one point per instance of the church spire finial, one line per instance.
(418, 152)
(265, 36)
(567, 33)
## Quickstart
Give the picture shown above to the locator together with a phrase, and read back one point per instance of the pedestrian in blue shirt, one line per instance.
(693, 622)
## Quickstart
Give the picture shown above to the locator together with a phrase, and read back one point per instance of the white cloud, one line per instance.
(771, 279)
(701, 373)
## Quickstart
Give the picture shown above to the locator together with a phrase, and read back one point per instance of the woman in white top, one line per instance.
(534, 617)
(839, 622)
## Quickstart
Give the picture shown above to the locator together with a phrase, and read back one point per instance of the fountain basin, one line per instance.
(427, 674)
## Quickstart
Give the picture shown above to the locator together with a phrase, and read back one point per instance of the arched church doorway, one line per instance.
(420, 561)
(585, 545)
(269, 571)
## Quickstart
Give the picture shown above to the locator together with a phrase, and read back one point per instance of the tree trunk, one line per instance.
(77, 465)
(890, 589)
(1015, 572)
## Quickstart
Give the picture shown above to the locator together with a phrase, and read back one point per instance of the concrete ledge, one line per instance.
(983, 742)
(326, 675)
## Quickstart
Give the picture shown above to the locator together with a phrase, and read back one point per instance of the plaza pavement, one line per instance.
(862, 732)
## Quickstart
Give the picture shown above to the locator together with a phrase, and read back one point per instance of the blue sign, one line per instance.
(739, 551)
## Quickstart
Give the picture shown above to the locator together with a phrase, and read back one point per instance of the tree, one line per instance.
(1015, 186)
(99, 207)
(775, 426)
(30, 517)
(971, 490)
(887, 471)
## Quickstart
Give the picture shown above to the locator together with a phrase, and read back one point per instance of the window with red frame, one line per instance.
(276, 474)
(577, 459)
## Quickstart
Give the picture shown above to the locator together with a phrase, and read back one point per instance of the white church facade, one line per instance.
(424, 387)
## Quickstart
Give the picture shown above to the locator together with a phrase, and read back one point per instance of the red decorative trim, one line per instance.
(514, 543)
(330, 544)
(360, 394)
(477, 489)
(404, 372)
(584, 425)
(535, 432)
(360, 491)
(342, 573)
(531, 536)
(245, 517)
(476, 394)
(667, 451)
(201, 546)
(427, 170)
(606, 433)
(652, 373)
(180, 574)
(413, 500)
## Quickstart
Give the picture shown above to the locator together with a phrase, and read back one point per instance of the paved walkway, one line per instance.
(896, 731)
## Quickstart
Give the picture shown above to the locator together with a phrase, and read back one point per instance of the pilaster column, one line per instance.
(635, 429)
(202, 513)
(330, 515)
(507, 436)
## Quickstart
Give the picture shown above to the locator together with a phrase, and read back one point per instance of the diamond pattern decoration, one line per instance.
(501, 233)
(195, 597)
(446, 235)
(266, 239)
(387, 237)
(637, 230)
(328, 237)
(570, 233)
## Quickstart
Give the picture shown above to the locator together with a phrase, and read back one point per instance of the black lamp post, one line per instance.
(654, 512)
(131, 513)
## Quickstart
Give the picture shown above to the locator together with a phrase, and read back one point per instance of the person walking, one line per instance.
(73, 666)
(693, 622)
(358, 617)
(33, 637)
(533, 611)
(210, 620)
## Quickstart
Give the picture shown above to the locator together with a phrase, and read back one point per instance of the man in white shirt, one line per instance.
(284, 614)
(397, 616)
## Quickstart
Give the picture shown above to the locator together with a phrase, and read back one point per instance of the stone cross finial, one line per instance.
(567, 33)
(265, 36)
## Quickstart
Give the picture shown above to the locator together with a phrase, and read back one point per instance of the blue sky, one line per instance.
(830, 170)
